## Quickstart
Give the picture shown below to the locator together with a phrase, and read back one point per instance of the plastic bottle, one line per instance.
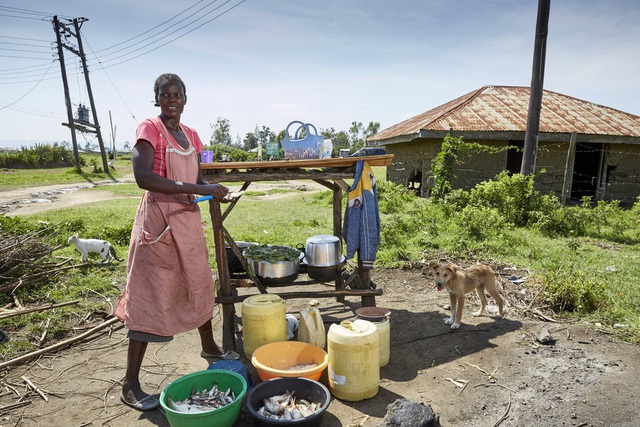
(311, 327)
(327, 149)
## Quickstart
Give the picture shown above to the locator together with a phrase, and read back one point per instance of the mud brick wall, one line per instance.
(622, 180)
(412, 162)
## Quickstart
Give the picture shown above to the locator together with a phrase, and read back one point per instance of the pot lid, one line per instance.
(373, 313)
(323, 238)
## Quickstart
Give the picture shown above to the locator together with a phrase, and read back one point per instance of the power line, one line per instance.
(153, 28)
(25, 38)
(175, 38)
(30, 90)
(112, 83)
(159, 39)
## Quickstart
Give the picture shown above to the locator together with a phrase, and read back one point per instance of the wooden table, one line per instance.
(331, 173)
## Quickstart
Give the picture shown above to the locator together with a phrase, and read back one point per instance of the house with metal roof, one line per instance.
(583, 149)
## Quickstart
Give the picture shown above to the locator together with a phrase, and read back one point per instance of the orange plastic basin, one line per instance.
(273, 360)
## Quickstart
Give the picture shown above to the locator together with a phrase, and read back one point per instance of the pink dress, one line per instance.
(170, 287)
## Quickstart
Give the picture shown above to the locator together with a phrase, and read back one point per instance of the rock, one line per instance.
(544, 336)
(404, 413)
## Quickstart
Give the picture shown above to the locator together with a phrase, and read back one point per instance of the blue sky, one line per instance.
(331, 62)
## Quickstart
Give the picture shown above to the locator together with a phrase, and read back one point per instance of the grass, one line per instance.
(19, 178)
(590, 277)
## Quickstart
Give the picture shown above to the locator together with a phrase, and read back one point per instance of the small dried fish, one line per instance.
(203, 401)
(285, 407)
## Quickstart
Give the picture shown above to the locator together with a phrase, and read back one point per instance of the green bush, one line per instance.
(480, 223)
(237, 154)
(39, 156)
(575, 291)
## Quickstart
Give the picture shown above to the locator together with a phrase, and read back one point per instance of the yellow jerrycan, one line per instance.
(263, 321)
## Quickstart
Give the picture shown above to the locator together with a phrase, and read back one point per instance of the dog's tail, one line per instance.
(113, 254)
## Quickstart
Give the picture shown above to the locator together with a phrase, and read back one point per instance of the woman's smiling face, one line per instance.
(171, 98)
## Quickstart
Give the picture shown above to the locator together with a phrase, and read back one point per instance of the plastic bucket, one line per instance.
(354, 360)
(183, 387)
(206, 156)
(263, 321)
(380, 317)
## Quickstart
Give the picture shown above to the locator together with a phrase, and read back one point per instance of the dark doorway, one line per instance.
(514, 157)
(585, 170)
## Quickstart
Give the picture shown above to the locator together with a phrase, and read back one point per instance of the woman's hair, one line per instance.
(165, 78)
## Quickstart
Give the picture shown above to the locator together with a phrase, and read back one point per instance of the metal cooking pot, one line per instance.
(232, 260)
(274, 274)
(326, 274)
(324, 250)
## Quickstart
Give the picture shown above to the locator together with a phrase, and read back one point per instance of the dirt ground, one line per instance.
(492, 371)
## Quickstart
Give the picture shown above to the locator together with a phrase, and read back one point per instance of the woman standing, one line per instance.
(170, 287)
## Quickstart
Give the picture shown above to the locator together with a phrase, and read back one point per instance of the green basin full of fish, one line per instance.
(204, 398)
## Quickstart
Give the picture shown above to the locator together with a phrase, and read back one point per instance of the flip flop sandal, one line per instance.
(227, 355)
(148, 403)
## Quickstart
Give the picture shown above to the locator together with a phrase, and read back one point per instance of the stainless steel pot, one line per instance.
(276, 273)
(326, 274)
(324, 250)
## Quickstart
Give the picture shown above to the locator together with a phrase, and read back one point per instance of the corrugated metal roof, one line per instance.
(504, 109)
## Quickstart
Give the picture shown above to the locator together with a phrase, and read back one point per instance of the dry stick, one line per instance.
(44, 333)
(16, 301)
(34, 388)
(35, 309)
(59, 345)
(490, 375)
(504, 416)
(15, 405)
(26, 280)
(495, 384)
(465, 386)
(440, 334)
(9, 386)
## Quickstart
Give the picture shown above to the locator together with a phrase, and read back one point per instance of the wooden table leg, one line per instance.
(228, 310)
(365, 277)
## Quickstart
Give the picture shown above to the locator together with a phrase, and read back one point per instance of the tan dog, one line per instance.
(460, 282)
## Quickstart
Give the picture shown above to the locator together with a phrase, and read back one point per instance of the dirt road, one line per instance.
(30, 200)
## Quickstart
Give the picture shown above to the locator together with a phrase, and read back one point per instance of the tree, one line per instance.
(444, 166)
(359, 134)
(372, 129)
(265, 135)
(339, 140)
(354, 132)
(250, 141)
(221, 132)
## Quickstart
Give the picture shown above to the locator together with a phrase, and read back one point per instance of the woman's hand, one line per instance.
(218, 191)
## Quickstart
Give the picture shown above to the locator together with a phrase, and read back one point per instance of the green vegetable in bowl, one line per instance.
(272, 254)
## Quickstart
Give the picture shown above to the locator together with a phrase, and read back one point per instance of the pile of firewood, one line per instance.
(26, 260)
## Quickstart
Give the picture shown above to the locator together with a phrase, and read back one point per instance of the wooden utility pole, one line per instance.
(58, 28)
(77, 24)
(568, 170)
(63, 30)
(113, 136)
(535, 98)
